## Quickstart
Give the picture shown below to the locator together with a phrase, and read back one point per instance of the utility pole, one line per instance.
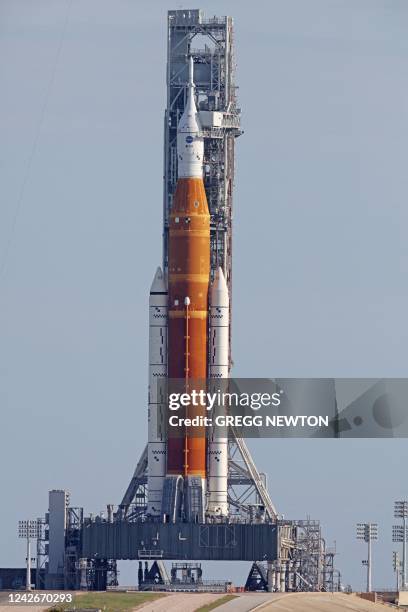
(396, 564)
(399, 534)
(29, 531)
(367, 532)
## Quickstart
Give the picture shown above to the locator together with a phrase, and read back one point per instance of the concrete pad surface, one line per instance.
(244, 602)
(318, 602)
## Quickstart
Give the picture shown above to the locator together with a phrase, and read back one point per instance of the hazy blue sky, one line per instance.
(320, 243)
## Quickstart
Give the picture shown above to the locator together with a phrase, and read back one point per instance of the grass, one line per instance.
(109, 602)
(216, 603)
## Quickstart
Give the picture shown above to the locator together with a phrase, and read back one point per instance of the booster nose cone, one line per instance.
(219, 290)
(159, 282)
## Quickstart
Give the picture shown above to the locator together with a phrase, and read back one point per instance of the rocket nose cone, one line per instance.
(159, 282)
(219, 279)
(219, 285)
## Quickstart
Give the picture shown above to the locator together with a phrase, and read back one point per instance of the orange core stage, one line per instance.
(188, 284)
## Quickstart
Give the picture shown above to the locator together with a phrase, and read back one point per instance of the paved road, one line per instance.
(179, 602)
(26, 608)
(318, 602)
(265, 602)
(245, 602)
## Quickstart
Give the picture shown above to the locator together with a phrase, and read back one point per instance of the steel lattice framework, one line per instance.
(211, 43)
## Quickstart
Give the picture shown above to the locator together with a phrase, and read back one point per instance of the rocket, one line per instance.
(189, 278)
(188, 341)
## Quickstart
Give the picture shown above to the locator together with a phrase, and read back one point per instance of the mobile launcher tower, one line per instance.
(190, 299)
(200, 497)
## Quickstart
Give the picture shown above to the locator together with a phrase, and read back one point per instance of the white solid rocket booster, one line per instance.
(218, 368)
(156, 450)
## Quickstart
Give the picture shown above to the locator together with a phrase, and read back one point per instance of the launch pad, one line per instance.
(184, 541)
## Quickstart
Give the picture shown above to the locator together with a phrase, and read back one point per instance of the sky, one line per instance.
(320, 249)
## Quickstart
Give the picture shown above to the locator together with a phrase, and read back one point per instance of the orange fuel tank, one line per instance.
(188, 283)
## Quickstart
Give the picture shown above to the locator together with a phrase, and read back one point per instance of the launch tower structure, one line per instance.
(210, 44)
(204, 499)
